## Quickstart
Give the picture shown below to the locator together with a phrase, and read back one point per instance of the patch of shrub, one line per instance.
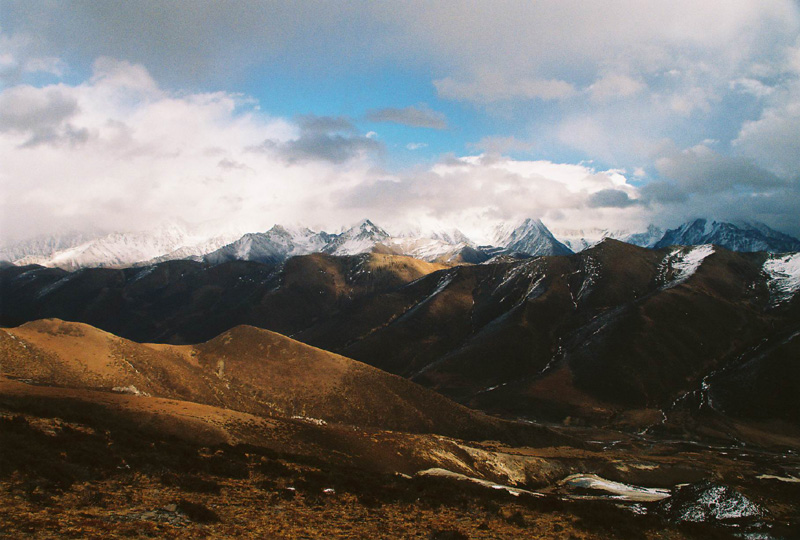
(197, 512)
(227, 466)
(192, 483)
(274, 468)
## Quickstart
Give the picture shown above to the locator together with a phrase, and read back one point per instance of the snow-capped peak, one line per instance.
(531, 237)
(360, 238)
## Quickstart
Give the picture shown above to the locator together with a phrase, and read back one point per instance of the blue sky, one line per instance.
(413, 113)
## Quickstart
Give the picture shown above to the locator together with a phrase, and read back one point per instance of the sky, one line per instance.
(119, 116)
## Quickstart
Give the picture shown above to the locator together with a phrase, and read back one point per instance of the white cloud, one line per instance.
(773, 139)
(614, 86)
(416, 145)
(475, 193)
(147, 154)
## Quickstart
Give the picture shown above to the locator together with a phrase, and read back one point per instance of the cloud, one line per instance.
(313, 124)
(773, 139)
(664, 193)
(476, 192)
(626, 83)
(421, 116)
(187, 40)
(614, 86)
(491, 88)
(702, 170)
(609, 198)
(416, 145)
(32, 111)
(166, 155)
(501, 145)
(325, 138)
(334, 148)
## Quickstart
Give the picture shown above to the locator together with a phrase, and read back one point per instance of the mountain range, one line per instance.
(529, 238)
(590, 335)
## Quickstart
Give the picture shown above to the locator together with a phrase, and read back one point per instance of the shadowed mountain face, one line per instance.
(189, 302)
(613, 328)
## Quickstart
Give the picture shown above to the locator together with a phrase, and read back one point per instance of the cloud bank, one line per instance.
(619, 113)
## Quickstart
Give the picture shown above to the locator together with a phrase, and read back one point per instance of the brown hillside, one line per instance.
(245, 369)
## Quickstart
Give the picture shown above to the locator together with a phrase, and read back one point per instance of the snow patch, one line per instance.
(784, 277)
(444, 473)
(309, 420)
(683, 262)
(615, 490)
(130, 389)
(789, 479)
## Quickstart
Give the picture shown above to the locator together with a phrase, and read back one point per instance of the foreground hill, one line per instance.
(245, 369)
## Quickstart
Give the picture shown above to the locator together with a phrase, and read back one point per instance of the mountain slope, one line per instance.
(273, 246)
(116, 250)
(580, 239)
(745, 237)
(189, 302)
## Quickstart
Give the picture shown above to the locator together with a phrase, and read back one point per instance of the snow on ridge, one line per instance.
(784, 277)
(684, 263)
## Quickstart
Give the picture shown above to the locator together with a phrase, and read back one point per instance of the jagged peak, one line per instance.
(367, 226)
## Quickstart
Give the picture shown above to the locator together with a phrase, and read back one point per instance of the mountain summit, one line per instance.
(530, 237)
(357, 239)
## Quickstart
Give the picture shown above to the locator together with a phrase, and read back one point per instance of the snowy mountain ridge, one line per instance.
(528, 238)
(740, 236)
(580, 239)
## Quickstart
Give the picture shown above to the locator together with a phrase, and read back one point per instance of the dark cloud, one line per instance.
(327, 147)
(421, 116)
(27, 109)
(702, 170)
(69, 135)
(325, 138)
(609, 198)
(42, 115)
(311, 123)
(663, 192)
